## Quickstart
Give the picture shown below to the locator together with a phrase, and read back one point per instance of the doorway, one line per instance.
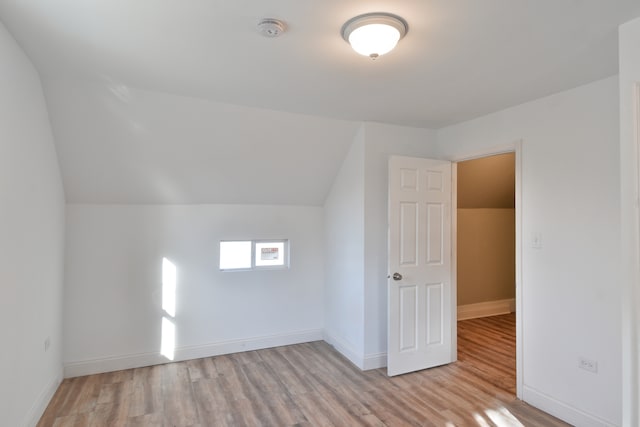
(408, 180)
(487, 235)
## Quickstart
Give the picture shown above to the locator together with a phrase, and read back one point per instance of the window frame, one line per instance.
(285, 255)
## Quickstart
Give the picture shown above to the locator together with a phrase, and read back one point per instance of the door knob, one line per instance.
(397, 276)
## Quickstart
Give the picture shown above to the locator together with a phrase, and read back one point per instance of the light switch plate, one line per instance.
(536, 240)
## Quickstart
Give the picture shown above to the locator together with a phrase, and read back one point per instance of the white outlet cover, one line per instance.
(588, 365)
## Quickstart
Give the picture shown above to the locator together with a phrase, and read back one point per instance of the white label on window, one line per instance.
(269, 254)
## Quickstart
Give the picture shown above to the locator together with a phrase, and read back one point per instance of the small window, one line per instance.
(254, 254)
(235, 255)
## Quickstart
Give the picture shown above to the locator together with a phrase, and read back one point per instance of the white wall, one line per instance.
(31, 243)
(357, 230)
(113, 283)
(344, 256)
(381, 142)
(571, 292)
(629, 81)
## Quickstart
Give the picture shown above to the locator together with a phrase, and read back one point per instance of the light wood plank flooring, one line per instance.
(308, 385)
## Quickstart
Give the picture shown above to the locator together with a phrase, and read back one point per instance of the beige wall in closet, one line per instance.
(486, 229)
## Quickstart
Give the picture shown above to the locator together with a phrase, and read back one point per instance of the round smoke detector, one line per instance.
(270, 27)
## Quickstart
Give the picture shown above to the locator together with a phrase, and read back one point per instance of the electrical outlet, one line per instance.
(588, 365)
(47, 344)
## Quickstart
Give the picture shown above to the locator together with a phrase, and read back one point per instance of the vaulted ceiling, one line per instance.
(151, 100)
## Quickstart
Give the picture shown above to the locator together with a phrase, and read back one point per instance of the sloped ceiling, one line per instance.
(165, 101)
(122, 145)
(487, 183)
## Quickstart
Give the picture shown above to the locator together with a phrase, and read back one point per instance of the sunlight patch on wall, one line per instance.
(168, 345)
(169, 285)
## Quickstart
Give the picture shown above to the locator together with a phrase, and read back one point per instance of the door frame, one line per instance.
(515, 147)
(631, 270)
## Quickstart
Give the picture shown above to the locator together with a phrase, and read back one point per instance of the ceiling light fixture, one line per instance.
(374, 34)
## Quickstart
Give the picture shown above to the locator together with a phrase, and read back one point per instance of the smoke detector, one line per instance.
(270, 27)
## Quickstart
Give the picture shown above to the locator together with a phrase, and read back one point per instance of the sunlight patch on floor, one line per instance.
(480, 420)
(498, 417)
(502, 417)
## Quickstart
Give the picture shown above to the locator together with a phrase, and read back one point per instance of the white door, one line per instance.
(421, 328)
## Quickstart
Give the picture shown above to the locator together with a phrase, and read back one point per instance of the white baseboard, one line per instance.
(485, 309)
(345, 349)
(362, 362)
(561, 410)
(375, 361)
(117, 363)
(41, 403)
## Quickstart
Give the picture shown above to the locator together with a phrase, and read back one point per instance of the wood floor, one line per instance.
(308, 385)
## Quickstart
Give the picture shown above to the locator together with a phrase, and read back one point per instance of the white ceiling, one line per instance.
(170, 101)
(460, 59)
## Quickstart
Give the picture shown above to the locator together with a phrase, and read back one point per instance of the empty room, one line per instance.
(270, 213)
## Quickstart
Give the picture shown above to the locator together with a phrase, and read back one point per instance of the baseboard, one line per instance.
(345, 349)
(485, 309)
(561, 410)
(362, 362)
(117, 363)
(375, 361)
(42, 401)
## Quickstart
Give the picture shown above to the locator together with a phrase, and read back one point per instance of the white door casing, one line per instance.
(421, 311)
(514, 147)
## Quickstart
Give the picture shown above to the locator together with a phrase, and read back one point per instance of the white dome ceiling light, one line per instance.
(270, 27)
(374, 34)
